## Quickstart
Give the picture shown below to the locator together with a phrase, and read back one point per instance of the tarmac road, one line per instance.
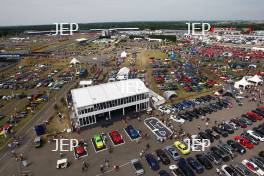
(27, 133)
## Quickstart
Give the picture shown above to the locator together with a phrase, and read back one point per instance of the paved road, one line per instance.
(27, 132)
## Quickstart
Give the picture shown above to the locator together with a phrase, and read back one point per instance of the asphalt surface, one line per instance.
(43, 160)
(27, 133)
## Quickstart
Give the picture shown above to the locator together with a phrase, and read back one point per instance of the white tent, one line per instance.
(74, 61)
(255, 79)
(242, 83)
(123, 73)
(124, 54)
(169, 94)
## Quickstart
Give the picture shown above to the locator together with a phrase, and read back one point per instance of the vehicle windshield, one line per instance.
(137, 166)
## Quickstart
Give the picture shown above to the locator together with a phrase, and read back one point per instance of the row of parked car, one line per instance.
(223, 152)
(200, 111)
(248, 167)
(185, 104)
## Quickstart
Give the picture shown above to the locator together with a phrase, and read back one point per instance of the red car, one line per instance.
(243, 141)
(262, 107)
(115, 136)
(254, 115)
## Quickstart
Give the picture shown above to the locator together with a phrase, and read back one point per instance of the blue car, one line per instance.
(163, 173)
(152, 161)
(132, 132)
(195, 165)
(186, 169)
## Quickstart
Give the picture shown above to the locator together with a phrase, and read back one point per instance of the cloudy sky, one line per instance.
(27, 12)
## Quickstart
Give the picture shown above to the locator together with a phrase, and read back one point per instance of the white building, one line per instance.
(97, 103)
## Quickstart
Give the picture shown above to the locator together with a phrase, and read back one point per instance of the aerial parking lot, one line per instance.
(115, 102)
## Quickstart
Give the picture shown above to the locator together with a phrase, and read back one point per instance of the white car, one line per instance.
(255, 135)
(253, 167)
(178, 120)
(165, 110)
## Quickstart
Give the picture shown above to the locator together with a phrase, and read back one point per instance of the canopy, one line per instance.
(74, 61)
(123, 54)
(242, 83)
(255, 79)
(169, 94)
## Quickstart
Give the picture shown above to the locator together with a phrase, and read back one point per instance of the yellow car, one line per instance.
(182, 147)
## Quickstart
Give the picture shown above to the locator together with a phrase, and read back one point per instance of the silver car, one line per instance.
(172, 152)
(139, 170)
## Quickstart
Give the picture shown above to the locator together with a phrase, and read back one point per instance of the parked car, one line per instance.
(240, 123)
(254, 115)
(250, 138)
(252, 167)
(132, 132)
(229, 171)
(163, 173)
(182, 147)
(139, 170)
(175, 170)
(258, 161)
(245, 120)
(228, 149)
(185, 168)
(236, 146)
(152, 161)
(212, 134)
(243, 141)
(243, 170)
(227, 128)
(204, 161)
(220, 131)
(98, 141)
(213, 158)
(172, 152)
(115, 136)
(220, 153)
(163, 157)
(195, 165)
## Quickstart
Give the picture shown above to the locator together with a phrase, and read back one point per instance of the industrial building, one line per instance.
(97, 103)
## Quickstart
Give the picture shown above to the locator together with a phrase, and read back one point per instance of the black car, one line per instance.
(204, 161)
(259, 129)
(185, 117)
(198, 111)
(163, 173)
(220, 131)
(220, 153)
(258, 161)
(245, 120)
(205, 135)
(213, 158)
(195, 165)
(227, 128)
(163, 157)
(261, 154)
(249, 117)
(236, 146)
(185, 168)
(212, 133)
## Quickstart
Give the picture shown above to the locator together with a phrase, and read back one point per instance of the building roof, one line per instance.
(87, 96)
